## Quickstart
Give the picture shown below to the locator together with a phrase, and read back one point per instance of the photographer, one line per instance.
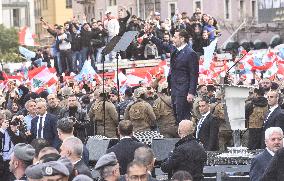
(81, 118)
(10, 136)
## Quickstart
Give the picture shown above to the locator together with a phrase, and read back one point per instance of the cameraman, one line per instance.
(10, 136)
(81, 118)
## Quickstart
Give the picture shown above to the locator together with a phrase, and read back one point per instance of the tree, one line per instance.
(9, 44)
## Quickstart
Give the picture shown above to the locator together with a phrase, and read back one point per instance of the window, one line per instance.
(68, 3)
(227, 9)
(112, 2)
(197, 4)
(242, 8)
(253, 6)
(16, 17)
(172, 9)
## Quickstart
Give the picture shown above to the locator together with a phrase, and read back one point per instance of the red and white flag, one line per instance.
(42, 79)
(26, 37)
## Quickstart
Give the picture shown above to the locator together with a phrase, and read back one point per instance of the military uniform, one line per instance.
(165, 116)
(225, 131)
(141, 114)
(111, 118)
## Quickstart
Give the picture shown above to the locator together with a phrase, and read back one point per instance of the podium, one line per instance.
(235, 97)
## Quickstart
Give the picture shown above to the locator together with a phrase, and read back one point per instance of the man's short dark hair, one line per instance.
(65, 125)
(125, 127)
(181, 176)
(38, 144)
(259, 91)
(205, 99)
(183, 33)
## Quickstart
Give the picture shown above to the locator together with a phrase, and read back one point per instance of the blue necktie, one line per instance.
(39, 128)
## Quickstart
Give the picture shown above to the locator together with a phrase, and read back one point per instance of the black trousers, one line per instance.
(255, 136)
(182, 108)
(66, 60)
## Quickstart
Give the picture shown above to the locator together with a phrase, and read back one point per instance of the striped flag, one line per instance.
(42, 79)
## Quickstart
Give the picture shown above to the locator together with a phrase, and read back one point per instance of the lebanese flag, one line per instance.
(26, 37)
(41, 79)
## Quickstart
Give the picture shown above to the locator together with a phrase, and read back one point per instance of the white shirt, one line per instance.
(37, 126)
(182, 47)
(200, 123)
(270, 111)
(124, 137)
(270, 152)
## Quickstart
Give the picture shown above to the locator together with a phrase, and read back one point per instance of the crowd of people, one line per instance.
(51, 130)
(43, 135)
(77, 41)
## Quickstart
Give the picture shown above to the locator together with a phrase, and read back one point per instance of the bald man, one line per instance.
(187, 155)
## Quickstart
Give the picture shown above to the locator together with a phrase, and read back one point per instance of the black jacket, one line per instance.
(14, 138)
(275, 119)
(122, 23)
(208, 133)
(259, 164)
(188, 155)
(124, 151)
(184, 69)
(275, 169)
(82, 168)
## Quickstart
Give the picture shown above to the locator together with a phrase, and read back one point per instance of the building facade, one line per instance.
(53, 12)
(17, 13)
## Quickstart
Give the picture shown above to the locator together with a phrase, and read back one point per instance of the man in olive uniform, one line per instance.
(225, 131)
(164, 112)
(140, 112)
(109, 124)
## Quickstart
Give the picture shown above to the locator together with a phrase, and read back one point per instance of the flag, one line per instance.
(27, 53)
(26, 37)
(88, 73)
(208, 53)
(41, 79)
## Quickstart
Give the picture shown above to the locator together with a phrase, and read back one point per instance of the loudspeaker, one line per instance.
(98, 147)
(162, 147)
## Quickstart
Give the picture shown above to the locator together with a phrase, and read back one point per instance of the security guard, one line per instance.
(110, 122)
(140, 112)
(164, 112)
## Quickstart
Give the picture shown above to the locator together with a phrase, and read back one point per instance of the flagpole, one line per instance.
(233, 34)
(118, 84)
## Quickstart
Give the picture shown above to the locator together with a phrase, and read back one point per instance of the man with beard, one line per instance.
(53, 105)
(81, 118)
(21, 158)
(266, 84)
(255, 112)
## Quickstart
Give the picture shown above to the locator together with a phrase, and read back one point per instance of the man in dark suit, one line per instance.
(274, 142)
(187, 155)
(207, 129)
(125, 148)
(183, 75)
(275, 115)
(72, 148)
(44, 124)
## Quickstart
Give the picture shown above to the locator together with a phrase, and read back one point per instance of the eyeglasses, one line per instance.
(138, 177)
